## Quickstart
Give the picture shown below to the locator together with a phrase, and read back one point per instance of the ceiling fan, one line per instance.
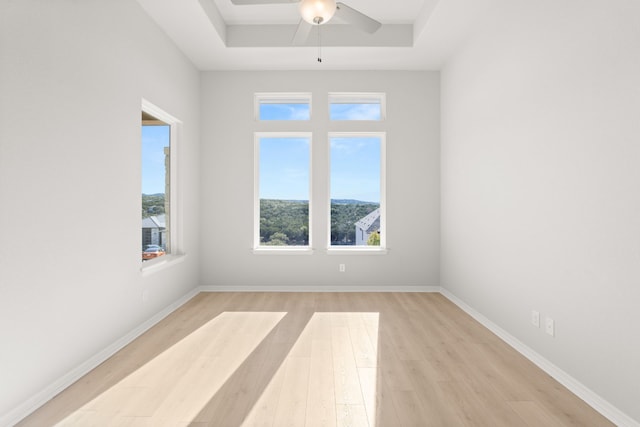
(318, 12)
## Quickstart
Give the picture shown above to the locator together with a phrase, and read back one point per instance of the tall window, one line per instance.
(156, 208)
(353, 175)
(357, 189)
(356, 174)
(282, 189)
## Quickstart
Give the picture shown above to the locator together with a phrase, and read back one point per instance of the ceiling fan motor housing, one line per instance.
(317, 12)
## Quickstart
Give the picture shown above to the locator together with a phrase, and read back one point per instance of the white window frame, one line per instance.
(263, 249)
(176, 252)
(356, 250)
(282, 98)
(358, 98)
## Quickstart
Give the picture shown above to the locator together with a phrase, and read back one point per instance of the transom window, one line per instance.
(283, 106)
(357, 106)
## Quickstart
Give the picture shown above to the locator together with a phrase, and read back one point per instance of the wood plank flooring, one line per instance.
(317, 359)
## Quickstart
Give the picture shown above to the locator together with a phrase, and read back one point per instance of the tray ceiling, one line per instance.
(218, 35)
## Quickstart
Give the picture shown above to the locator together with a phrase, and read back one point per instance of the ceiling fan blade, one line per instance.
(302, 33)
(356, 18)
(243, 2)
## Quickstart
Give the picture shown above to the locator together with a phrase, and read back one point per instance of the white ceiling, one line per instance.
(393, 12)
(217, 35)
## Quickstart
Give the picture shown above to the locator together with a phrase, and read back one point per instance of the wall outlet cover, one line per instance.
(550, 326)
(535, 318)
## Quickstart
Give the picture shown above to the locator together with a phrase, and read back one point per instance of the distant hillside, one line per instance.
(152, 204)
(351, 202)
(285, 222)
(335, 202)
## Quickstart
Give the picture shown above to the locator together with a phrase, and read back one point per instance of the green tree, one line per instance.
(278, 239)
(152, 204)
(374, 239)
(343, 219)
(289, 218)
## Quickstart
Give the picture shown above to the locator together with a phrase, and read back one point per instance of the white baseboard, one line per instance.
(330, 288)
(609, 411)
(20, 412)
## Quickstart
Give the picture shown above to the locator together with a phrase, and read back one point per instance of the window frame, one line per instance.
(382, 249)
(175, 249)
(358, 98)
(264, 249)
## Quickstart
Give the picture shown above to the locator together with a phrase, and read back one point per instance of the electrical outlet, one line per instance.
(342, 268)
(550, 326)
(535, 318)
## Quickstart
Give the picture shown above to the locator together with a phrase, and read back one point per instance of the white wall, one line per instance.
(72, 77)
(540, 174)
(412, 127)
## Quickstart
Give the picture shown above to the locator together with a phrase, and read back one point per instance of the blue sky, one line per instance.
(303, 111)
(354, 111)
(355, 161)
(284, 168)
(355, 168)
(154, 139)
(284, 111)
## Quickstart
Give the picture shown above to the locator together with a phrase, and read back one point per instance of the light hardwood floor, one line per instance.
(317, 359)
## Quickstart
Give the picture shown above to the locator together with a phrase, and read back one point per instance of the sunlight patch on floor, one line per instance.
(172, 388)
(328, 378)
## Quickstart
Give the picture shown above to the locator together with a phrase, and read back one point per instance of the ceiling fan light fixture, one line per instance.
(317, 12)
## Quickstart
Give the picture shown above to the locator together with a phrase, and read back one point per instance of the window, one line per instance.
(283, 106)
(352, 175)
(357, 189)
(157, 206)
(282, 197)
(357, 106)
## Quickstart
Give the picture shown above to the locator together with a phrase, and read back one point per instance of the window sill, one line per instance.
(357, 251)
(161, 263)
(280, 250)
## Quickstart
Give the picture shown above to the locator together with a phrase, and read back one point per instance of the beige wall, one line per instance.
(412, 182)
(72, 78)
(540, 200)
